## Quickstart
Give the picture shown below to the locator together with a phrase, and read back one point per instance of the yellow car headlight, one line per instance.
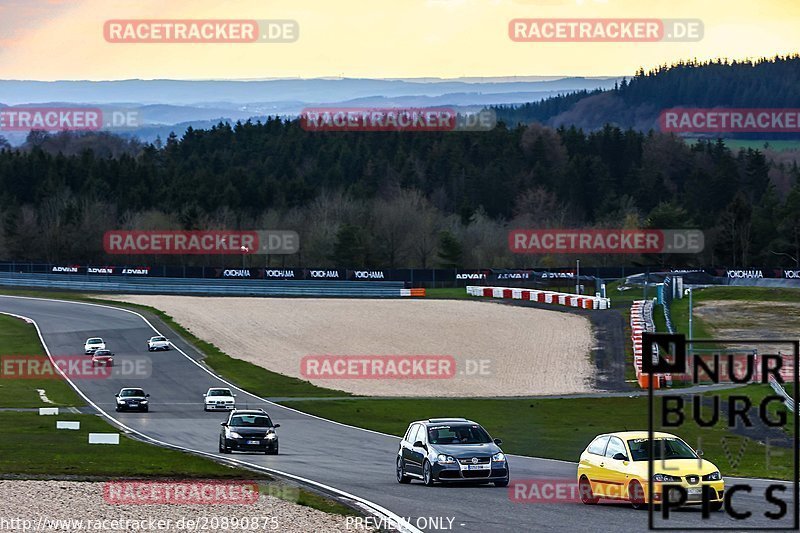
(713, 476)
(665, 478)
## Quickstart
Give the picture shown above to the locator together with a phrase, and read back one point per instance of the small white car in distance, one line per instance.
(219, 399)
(93, 344)
(157, 343)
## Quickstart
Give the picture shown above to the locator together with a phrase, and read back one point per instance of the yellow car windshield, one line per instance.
(664, 448)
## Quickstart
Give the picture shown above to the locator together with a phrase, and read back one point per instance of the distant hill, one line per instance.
(638, 102)
(166, 106)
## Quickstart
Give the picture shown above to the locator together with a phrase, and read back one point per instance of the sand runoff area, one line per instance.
(150, 506)
(396, 347)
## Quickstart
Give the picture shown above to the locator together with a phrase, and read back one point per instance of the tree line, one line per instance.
(407, 199)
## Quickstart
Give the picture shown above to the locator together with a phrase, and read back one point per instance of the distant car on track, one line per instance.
(450, 450)
(157, 343)
(248, 430)
(615, 466)
(219, 399)
(132, 399)
(102, 357)
(92, 344)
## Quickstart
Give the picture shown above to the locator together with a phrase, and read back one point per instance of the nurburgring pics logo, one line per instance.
(605, 241)
(720, 362)
(213, 242)
(550, 30)
(191, 492)
(738, 120)
(200, 31)
(396, 119)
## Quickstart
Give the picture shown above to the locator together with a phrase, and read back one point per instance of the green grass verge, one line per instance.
(52, 452)
(554, 428)
(18, 338)
(778, 145)
(253, 378)
(449, 293)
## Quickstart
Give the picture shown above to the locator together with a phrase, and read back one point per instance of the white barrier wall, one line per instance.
(103, 438)
(67, 424)
(536, 295)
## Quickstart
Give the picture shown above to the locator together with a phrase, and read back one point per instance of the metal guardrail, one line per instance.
(226, 287)
(778, 388)
(668, 281)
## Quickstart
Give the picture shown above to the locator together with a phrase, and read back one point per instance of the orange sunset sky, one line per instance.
(63, 39)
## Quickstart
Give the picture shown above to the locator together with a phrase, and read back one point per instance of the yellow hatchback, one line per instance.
(615, 466)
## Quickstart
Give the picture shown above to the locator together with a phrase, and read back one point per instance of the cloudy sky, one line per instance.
(63, 39)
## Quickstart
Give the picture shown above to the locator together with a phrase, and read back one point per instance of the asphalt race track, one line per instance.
(358, 462)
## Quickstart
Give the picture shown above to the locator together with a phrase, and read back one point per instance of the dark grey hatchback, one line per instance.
(248, 430)
(450, 450)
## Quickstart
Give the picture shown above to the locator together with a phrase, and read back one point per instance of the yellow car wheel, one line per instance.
(585, 489)
(636, 495)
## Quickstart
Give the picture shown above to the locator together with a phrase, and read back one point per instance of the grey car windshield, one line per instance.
(458, 434)
(663, 449)
(131, 392)
(251, 421)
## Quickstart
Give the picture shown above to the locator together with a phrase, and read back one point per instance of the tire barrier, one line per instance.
(641, 321)
(541, 296)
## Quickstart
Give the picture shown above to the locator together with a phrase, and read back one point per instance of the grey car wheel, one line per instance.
(222, 448)
(401, 473)
(427, 475)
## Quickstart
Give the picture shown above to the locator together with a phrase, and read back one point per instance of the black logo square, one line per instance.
(674, 345)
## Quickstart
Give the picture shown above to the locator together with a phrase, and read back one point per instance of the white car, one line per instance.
(157, 343)
(93, 344)
(219, 399)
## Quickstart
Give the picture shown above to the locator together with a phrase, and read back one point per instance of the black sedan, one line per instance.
(132, 399)
(248, 430)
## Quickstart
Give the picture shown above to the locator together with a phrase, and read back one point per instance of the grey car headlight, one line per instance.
(498, 457)
(446, 459)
